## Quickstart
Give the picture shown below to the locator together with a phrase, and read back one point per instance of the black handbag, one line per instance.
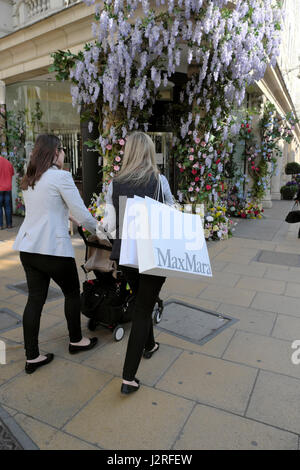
(293, 217)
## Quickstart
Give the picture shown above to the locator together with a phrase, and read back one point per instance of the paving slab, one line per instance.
(275, 401)
(229, 295)
(229, 280)
(255, 321)
(210, 428)
(210, 381)
(184, 286)
(215, 347)
(150, 419)
(48, 438)
(290, 275)
(246, 270)
(111, 358)
(262, 352)
(287, 328)
(261, 285)
(293, 290)
(52, 394)
(276, 303)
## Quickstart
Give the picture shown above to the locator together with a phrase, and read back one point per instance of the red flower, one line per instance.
(247, 125)
(194, 171)
(243, 125)
(197, 179)
(218, 161)
(208, 187)
(210, 175)
(243, 216)
(249, 130)
(181, 170)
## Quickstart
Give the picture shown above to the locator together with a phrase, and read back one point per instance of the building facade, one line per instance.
(30, 30)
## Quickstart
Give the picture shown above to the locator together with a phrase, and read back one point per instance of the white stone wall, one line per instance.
(289, 60)
(6, 25)
(25, 12)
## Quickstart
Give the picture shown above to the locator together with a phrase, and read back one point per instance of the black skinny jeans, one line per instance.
(39, 270)
(146, 288)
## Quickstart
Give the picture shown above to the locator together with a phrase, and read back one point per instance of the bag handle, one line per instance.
(158, 189)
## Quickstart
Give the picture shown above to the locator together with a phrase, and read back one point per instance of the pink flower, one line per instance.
(191, 189)
(116, 168)
(109, 147)
(118, 159)
(197, 189)
(122, 142)
(203, 144)
(191, 150)
(197, 140)
(121, 152)
(189, 132)
(191, 157)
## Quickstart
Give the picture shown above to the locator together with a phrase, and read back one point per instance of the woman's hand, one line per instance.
(71, 218)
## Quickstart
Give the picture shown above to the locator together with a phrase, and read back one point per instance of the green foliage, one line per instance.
(292, 168)
(289, 192)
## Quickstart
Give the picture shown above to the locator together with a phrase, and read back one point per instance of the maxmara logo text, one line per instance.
(187, 263)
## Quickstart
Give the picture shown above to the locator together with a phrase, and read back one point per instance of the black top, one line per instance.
(128, 190)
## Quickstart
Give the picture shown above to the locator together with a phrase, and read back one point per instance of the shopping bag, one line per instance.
(170, 243)
(128, 252)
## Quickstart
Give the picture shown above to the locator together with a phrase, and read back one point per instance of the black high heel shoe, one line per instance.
(31, 367)
(73, 349)
(126, 389)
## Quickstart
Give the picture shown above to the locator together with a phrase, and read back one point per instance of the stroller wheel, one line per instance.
(157, 314)
(92, 324)
(118, 333)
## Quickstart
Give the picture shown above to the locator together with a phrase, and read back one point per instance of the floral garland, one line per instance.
(129, 60)
(263, 158)
(217, 225)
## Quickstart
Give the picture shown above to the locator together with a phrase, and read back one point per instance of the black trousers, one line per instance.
(39, 270)
(146, 288)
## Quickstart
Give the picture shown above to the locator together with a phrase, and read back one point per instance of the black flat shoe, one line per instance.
(31, 367)
(126, 388)
(76, 349)
(149, 354)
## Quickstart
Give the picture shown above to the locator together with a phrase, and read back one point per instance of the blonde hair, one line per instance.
(139, 161)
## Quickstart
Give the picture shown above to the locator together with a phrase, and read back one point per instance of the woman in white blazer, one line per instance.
(45, 246)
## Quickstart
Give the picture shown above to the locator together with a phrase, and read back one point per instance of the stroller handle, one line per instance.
(92, 244)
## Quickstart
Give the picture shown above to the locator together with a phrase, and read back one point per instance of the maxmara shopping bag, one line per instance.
(128, 253)
(170, 243)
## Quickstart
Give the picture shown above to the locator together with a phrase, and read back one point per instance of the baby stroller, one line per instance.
(107, 300)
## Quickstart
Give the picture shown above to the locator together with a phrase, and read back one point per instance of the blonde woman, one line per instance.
(139, 176)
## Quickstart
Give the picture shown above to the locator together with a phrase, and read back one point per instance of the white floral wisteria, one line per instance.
(232, 45)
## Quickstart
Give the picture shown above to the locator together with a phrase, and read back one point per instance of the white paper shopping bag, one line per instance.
(172, 243)
(131, 230)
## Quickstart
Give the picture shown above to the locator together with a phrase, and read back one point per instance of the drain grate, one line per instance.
(276, 257)
(21, 287)
(7, 440)
(192, 323)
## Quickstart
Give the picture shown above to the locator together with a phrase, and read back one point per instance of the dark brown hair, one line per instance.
(41, 159)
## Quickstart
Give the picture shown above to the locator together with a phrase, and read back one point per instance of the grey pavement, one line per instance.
(239, 390)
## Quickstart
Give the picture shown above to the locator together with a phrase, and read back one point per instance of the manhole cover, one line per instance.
(7, 440)
(9, 319)
(21, 287)
(192, 323)
(276, 257)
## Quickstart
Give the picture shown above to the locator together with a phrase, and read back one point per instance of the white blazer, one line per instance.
(45, 228)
